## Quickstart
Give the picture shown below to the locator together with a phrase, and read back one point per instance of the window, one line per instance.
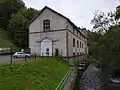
(73, 42)
(86, 50)
(77, 53)
(73, 53)
(20, 53)
(46, 24)
(47, 49)
(80, 44)
(56, 52)
(77, 44)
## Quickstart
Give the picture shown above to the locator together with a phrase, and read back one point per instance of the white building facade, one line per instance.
(51, 33)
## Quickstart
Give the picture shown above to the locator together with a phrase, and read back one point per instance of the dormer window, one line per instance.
(46, 24)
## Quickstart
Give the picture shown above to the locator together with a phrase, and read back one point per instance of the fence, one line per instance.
(6, 57)
(64, 80)
(75, 61)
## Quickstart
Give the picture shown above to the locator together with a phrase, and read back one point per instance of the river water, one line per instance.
(91, 80)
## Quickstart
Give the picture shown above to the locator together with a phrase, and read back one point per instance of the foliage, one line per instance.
(104, 44)
(117, 16)
(93, 45)
(14, 18)
(4, 39)
(34, 75)
(102, 21)
(111, 43)
(18, 26)
(7, 8)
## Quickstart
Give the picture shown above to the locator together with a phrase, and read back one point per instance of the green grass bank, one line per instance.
(43, 74)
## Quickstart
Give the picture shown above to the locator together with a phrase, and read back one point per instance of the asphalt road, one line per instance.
(7, 60)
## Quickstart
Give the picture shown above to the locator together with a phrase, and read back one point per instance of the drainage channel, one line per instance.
(80, 69)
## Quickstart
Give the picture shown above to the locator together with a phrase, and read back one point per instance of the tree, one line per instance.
(110, 57)
(93, 44)
(7, 8)
(18, 26)
(117, 16)
(101, 21)
(30, 13)
(104, 42)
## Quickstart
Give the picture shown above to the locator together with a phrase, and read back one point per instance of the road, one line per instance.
(7, 60)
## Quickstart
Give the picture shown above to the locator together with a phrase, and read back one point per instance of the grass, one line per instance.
(4, 39)
(34, 75)
(5, 43)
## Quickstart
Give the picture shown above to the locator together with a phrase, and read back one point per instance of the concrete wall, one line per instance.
(34, 47)
(58, 38)
(56, 22)
(73, 33)
(70, 44)
(76, 59)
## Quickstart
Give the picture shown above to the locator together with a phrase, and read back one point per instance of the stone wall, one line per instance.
(75, 60)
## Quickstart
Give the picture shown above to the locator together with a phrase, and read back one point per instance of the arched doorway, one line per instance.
(46, 47)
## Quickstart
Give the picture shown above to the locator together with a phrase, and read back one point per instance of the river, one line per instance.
(91, 80)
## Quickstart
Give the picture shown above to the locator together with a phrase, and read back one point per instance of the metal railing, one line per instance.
(64, 79)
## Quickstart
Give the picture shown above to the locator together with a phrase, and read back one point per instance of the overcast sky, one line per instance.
(78, 11)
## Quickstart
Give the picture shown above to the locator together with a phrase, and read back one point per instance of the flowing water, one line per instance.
(91, 80)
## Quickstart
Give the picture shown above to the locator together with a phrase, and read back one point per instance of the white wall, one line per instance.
(35, 47)
(70, 44)
(58, 38)
(57, 22)
(46, 44)
(70, 41)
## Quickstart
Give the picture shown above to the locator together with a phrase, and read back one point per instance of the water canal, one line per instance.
(91, 80)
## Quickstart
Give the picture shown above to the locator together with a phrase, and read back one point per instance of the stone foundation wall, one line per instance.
(75, 60)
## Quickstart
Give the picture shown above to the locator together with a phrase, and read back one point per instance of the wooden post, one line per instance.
(61, 55)
(35, 56)
(25, 58)
(11, 55)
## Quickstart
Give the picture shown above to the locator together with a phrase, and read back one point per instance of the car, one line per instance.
(21, 55)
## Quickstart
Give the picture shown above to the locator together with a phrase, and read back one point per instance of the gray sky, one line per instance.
(78, 11)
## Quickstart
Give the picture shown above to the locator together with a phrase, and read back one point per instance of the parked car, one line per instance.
(21, 55)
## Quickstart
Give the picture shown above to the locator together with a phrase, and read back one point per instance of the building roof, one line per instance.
(59, 15)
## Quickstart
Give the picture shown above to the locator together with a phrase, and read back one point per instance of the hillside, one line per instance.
(4, 39)
(38, 74)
